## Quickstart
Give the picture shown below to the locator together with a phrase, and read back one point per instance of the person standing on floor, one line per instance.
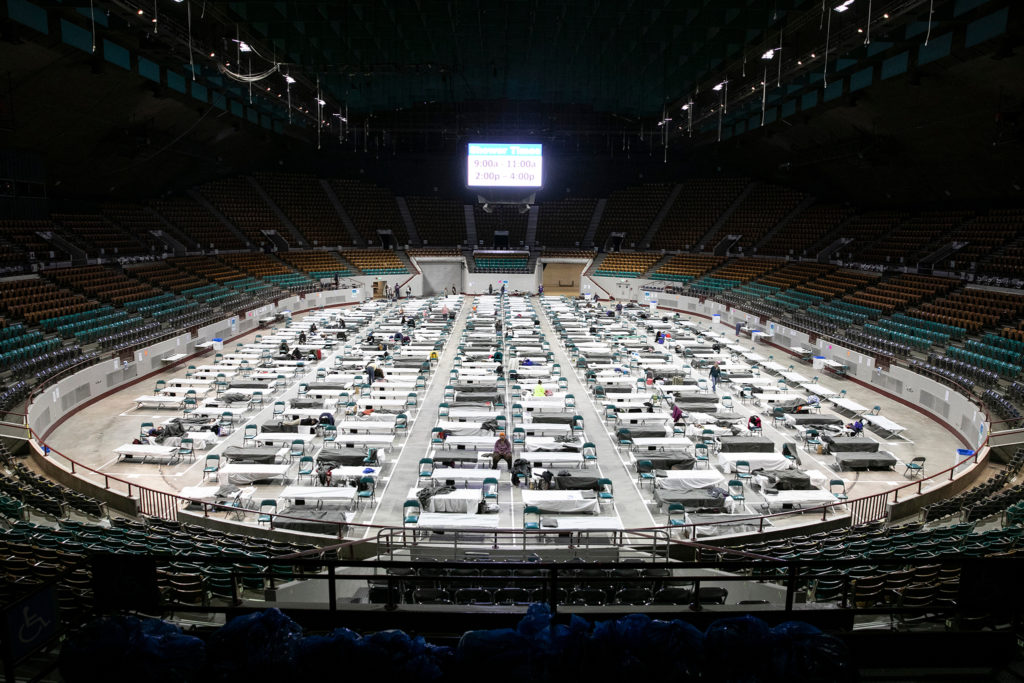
(715, 373)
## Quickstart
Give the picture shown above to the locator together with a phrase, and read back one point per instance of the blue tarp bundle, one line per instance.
(269, 643)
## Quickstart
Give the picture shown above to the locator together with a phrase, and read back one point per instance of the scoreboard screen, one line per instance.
(504, 165)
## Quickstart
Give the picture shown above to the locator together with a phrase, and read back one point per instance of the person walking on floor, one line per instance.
(715, 373)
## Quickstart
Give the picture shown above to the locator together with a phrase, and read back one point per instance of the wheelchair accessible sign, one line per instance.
(30, 623)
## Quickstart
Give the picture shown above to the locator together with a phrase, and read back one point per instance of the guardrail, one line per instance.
(782, 586)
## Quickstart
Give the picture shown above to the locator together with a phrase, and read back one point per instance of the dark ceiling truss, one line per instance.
(622, 57)
(804, 34)
(208, 31)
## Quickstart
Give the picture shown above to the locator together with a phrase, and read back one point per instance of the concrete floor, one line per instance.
(91, 435)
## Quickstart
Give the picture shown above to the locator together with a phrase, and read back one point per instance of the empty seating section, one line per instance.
(45, 495)
(972, 309)
(565, 222)
(269, 268)
(985, 235)
(256, 264)
(370, 208)
(193, 219)
(899, 292)
(506, 262)
(318, 264)
(97, 236)
(686, 267)
(864, 229)
(732, 275)
(163, 307)
(136, 219)
(1004, 362)
(302, 199)
(166, 276)
(240, 202)
(93, 324)
(779, 285)
(18, 344)
(626, 265)
(954, 372)
(24, 236)
(631, 211)
(913, 239)
(759, 212)
(794, 274)
(500, 218)
(59, 555)
(36, 299)
(103, 283)
(984, 500)
(1007, 264)
(569, 253)
(1002, 409)
(804, 230)
(208, 268)
(434, 252)
(231, 287)
(837, 284)
(866, 585)
(916, 337)
(376, 262)
(697, 207)
(869, 343)
(437, 221)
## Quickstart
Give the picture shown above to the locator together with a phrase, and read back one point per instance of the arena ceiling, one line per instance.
(574, 73)
(626, 57)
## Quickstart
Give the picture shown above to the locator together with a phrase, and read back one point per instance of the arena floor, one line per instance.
(91, 435)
